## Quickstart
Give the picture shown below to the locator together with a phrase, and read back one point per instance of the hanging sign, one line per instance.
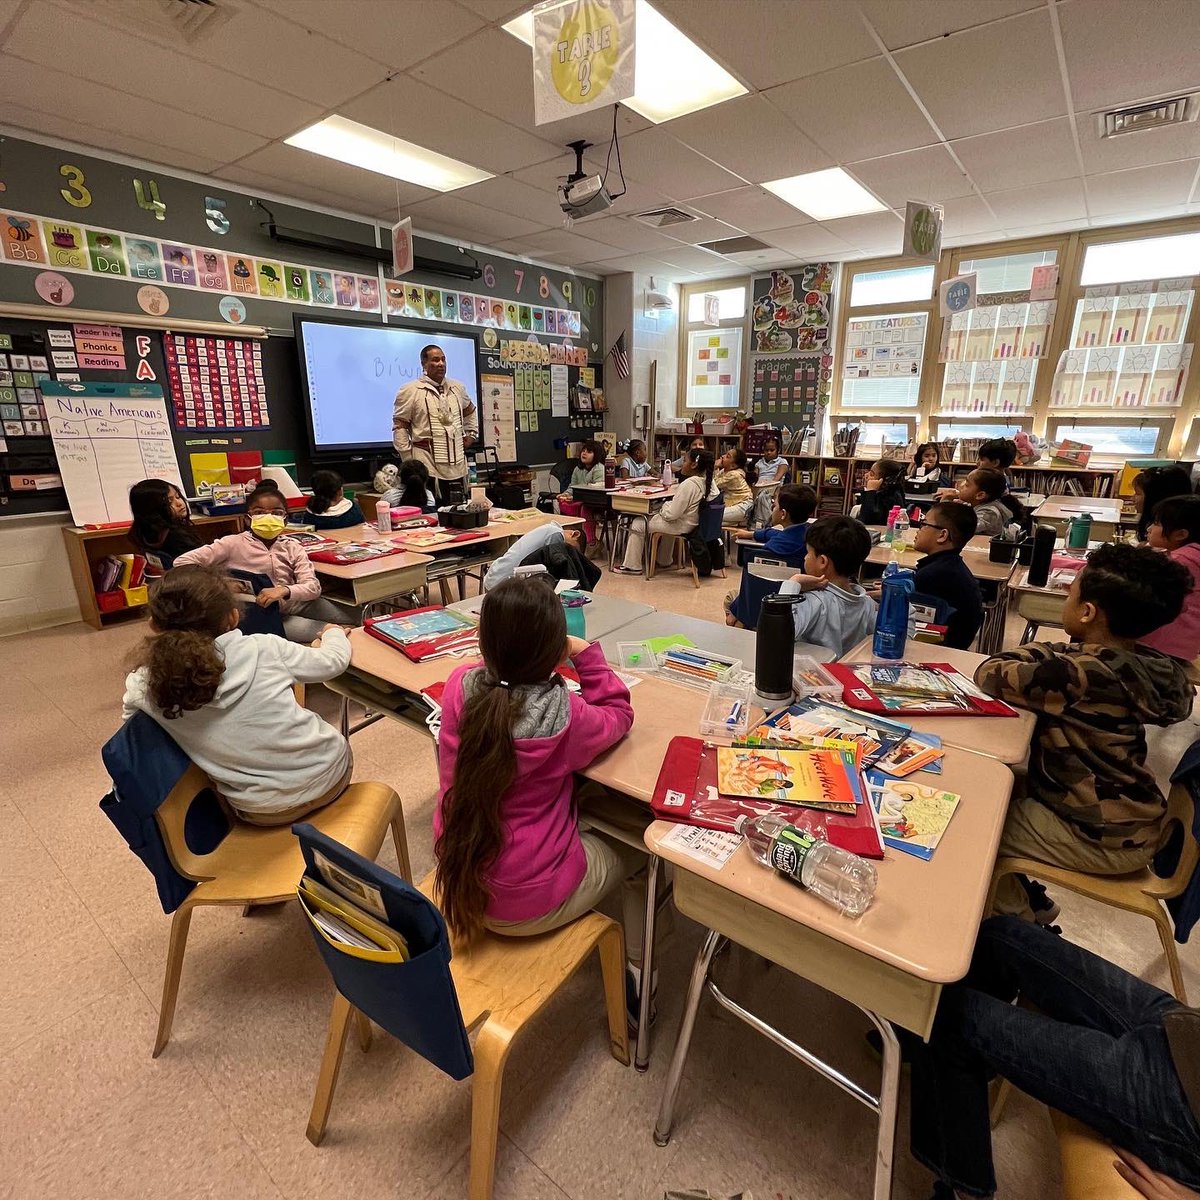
(923, 231)
(583, 56)
(957, 295)
(402, 247)
(712, 309)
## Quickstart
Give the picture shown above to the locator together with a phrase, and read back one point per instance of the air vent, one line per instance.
(658, 218)
(1178, 111)
(735, 245)
(168, 21)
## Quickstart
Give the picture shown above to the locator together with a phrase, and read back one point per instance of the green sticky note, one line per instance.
(659, 644)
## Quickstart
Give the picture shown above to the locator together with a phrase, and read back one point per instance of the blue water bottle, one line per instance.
(891, 622)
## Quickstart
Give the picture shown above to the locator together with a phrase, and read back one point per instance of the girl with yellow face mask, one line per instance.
(261, 550)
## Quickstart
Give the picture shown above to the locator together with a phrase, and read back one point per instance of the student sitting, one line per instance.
(941, 536)
(836, 612)
(227, 700)
(1091, 802)
(588, 472)
(510, 854)
(1152, 486)
(411, 488)
(884, 491)
(529, 544)
(328, 507)
(678, 517)
(734, 486)
(785, 536)
(635, 464)
(927, 472)
(162, 522)
(261, 550)
(1092, 1041)
(1175, 528)
(771, 468)
(996, 454)
(982, 490)
(697, 443)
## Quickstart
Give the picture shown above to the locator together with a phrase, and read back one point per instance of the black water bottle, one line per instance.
(1044, 537)
(775, 640)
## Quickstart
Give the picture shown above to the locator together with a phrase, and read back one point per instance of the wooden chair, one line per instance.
(502, 984)
(255, 864)
(1087, 1163)
(710, 530)
(1140, 892)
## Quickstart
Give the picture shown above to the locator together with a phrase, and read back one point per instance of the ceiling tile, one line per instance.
(404, 106)
(913, 21)
(748, 135)
(381, 30)
(496, 10)
(1061, 201)
(749, 208)
(623, 234)
(655, 157)
(256, 183)
(770, 43)
(361, 191)
(71, 130)
(809, 243)
(929, 174)
(1168, 185)
(1169, 144)
(879, 233)
(1038, 153)
(257, 44)
(988, 78)
(555, 242)
(645, 263)
(856, 112)
(968, 216)
(59, 40)
(482, 223)
(515, 198)
(707, 229)
(101, 107)
(1117, 54)
(691, 259)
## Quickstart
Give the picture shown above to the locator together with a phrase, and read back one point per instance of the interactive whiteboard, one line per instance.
(107, 437)
(352, 372)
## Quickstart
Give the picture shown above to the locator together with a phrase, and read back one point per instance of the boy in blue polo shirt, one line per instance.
(785, 539)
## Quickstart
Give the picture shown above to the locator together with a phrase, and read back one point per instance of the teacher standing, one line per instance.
(434, 421)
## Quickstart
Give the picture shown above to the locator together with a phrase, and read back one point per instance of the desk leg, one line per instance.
(641, 1058)
(666, 1109)
(344, 717)
(889, 1096)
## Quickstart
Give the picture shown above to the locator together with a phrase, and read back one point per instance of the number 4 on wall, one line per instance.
(154, 204)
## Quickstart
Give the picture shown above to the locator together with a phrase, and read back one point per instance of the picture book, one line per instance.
(917, 752)
(823, 779)
(348, 553)
(813, 717)
(912, 816)
(310, 541)
(931, 689)
(421, 624)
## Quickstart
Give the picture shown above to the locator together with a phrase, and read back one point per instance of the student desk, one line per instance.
(600, 617)
(624, 499)
(1037, 605)
(376, 579)
(708, 635)
(1003, 738)
(1058, 511)
(992, 576)
(892, 963)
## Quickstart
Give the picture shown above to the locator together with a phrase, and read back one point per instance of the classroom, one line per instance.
(600, 599)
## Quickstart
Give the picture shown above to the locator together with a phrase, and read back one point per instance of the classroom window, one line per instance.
(731, 304)
(882, 364)
(1142, 258)
(902, 285)
(1115, 441)
(992, 351)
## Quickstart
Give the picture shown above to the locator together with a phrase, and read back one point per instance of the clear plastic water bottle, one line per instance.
(891, 621)
(840, 878)
(383, 516)
(900, 528)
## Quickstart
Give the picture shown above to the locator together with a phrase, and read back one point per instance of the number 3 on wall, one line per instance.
(74, 193)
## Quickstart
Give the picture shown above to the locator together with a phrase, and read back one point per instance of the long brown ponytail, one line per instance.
(522, 637)
(189, 608)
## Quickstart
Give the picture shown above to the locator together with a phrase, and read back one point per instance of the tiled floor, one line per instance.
(87, 1113)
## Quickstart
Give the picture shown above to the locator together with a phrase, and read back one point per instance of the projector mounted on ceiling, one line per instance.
(580, 194)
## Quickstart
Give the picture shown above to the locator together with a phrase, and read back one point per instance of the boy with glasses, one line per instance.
(946, 529)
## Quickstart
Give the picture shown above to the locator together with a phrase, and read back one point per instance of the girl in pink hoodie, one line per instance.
(1175, 527)
(510, 854)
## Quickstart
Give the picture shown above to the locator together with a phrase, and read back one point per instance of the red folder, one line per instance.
(686, 791)
(857, 694)
(339, 557)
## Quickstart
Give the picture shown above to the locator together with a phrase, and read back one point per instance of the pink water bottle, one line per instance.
(383, 516)
(891, 521)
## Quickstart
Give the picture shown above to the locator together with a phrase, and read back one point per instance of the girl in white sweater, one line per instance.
(679, 516)
(227, 700)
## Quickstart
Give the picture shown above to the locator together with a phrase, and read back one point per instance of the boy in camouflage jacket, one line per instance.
(1090, 802)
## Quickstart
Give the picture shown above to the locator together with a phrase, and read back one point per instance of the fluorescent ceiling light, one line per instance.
(674, 76)
(361, 146)
(825, 195)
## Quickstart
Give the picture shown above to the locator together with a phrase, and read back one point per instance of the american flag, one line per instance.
(620, 358)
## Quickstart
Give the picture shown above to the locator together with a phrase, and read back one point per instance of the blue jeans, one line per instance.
(1095, 1049)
